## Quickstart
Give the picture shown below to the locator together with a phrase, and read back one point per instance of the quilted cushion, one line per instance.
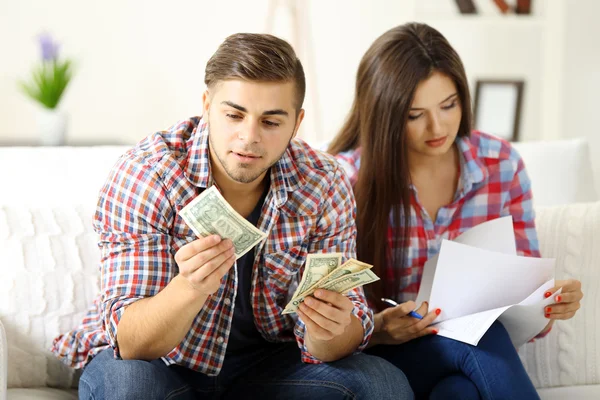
(570, 354)
(49, 278)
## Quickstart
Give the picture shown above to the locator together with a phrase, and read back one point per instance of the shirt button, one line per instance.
(227, 302)
(220, 340)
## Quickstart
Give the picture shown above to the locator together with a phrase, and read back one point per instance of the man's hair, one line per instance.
(259, 58)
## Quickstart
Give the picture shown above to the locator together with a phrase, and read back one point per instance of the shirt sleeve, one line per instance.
(132, 223)
(349, 161)
(542, 334)
(336, 233)
(520, 205)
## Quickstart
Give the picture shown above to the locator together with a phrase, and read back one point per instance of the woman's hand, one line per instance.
(567, 302)
(395, 326)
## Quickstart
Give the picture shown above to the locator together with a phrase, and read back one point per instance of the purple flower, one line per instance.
(49, 47)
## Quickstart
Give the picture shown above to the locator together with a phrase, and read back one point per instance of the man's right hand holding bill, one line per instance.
(204, 262)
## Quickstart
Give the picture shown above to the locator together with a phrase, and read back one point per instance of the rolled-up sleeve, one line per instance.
(132, 223)
(336, 233)
(520, 206)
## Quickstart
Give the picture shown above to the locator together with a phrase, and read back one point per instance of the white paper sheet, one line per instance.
(478, 278)
(522, 321)
(469, 280)
(495, 235)
(470, 328)
(427, 280)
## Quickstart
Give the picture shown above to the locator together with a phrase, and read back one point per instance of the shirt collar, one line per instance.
(198, 156)
(285, 174)
(473, 170)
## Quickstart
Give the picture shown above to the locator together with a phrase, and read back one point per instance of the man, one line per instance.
(178, 317)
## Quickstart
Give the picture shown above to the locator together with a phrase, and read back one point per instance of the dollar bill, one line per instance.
(349, 267)
(318, 266)
(349, 282)
(339, 285)
(210, 214)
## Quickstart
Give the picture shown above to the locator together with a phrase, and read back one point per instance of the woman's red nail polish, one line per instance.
(438, 311)
(548, 309)
(434, 332)
(547, 315)
(558, 298)
(547, 294)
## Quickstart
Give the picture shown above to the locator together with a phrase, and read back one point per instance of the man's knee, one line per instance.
(109, 378)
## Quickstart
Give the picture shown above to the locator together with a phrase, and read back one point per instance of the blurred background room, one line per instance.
(137, 67)
(533, 65)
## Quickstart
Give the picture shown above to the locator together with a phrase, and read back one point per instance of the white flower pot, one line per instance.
(52, 126)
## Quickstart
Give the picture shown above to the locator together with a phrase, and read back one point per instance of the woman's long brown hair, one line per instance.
(386, 81)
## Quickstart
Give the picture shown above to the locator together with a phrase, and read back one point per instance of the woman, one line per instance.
(420, 175)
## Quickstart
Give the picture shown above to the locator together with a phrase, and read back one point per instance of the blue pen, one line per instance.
(392, 303)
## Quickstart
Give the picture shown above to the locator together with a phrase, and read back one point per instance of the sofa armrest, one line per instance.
(3, 362)
(569, 354)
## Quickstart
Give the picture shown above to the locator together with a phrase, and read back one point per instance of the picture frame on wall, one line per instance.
(497, 107)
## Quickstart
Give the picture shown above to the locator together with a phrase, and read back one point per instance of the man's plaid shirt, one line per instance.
(309, 209)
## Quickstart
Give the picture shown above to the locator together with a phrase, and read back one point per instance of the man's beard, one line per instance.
(243, 173)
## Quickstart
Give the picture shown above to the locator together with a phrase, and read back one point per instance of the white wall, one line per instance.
(140, 66)
(507, 48)
(581, 113)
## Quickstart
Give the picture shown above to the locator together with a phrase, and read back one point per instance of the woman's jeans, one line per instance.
(442, 368)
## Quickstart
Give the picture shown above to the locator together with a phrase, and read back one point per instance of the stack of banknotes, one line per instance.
(326, 271)
(210, 214)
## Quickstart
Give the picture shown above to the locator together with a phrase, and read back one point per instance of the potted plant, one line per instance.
(49, 79)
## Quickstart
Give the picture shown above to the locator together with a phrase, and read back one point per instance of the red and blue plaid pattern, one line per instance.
(309, 209)
(493, 183)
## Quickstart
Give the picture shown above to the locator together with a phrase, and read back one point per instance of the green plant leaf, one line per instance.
(49, 81)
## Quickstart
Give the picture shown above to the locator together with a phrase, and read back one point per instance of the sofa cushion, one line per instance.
(587, 392)
(50, 276)
(48, 252)
(42, 394)
(570, 354)
(560, 171)
(55, 175)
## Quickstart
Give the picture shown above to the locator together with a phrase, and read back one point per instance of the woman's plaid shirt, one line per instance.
(493, 183)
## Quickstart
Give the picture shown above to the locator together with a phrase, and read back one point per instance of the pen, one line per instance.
(392, 303)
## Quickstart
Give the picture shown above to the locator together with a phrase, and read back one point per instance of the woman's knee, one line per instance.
(455, 386)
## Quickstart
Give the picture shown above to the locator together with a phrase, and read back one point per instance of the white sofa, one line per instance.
(49, 273)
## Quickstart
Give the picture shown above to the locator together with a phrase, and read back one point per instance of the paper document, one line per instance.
(478, 278)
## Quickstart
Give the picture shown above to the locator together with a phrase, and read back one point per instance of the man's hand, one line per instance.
(168, 316)
(326, 316)
(395, 326)
(567, 302)
(332, 332)
(204, 262)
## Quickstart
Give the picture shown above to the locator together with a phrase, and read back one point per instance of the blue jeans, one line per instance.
(442, 368)
(275, 372)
